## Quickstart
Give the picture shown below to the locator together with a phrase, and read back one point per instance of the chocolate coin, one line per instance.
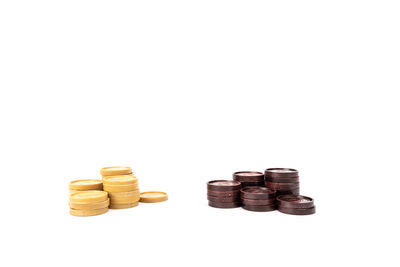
(245, 184)
(225, 199)
(223, 185)
(223, 193)
(288, 192)
(257, 192)
(258, 202)
(282, 180)
(295, 202)
(248, 176)
(281, 173)
(258, 208)
(224, 205)
(297, 211)
(282, 186)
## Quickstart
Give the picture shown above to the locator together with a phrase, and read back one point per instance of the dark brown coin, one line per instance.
(281, 173)
(223, 193)
(248, 176)
(297, 211)
(295, 202)
(282, 180)
(288, 192)
(245, 184)
(257, 192)
(223, 185)
(224, 205)
(223, 199)
(258, 202)
(282, 186)
(259, 208)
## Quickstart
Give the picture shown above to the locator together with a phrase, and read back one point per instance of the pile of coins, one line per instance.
(281, 192)
(295, 204)
(284, 181)
(88, 203)
(84, 185)
(256, 198)
(122, 187)
(248, 178)
(223, 194)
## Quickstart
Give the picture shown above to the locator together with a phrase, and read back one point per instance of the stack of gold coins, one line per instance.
(122, 187)
(88, 203)
(85, 185)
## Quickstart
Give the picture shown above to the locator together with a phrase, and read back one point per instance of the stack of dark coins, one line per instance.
(285, 181)
(257, 198)
(295, 204)
(247, 178)
(223, 194)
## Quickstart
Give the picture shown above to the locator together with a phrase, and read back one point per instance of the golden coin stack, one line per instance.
(88, 203)
(122, 187)
(85, 185)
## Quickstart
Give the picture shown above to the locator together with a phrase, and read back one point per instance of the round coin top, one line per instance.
(281, 170)
(224, 183)
(153, 197)
(115, 170)
(248, 173)
(87, 184)
(295, 201)
(257, 190)
(89, 196)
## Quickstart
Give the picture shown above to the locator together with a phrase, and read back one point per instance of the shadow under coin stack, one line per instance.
(295, 204)
(257, 198)
(248, 178)
(223, 194)
(88, 203)
(122, 187)
(284, 181)
(84, 185)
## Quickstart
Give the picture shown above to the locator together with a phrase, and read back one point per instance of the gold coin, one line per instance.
(124, 194)
(120, 188)
(87, 212)
(92, 196)
(124, 200)
(153, 197)
(120, 180)
(116, 170)
(88, 184)
(124, 206)
(90, 206)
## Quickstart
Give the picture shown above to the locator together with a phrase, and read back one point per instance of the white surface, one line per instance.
(190, 91)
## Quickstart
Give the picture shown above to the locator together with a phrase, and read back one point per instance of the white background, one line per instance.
(189, 91)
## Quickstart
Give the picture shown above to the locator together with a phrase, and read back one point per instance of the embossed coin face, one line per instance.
(296, 198)
(257, 190)
(248, 173)
(282, 170)
(224, 183)
(295, 201)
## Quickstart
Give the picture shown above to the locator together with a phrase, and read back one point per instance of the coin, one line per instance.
(115, 170)
(308, 211)
(257, 192)
(259, 208)
(248, 176)
(86, 184)
(295, 201)
(224, 205)
(223, 185)
(153, 196)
